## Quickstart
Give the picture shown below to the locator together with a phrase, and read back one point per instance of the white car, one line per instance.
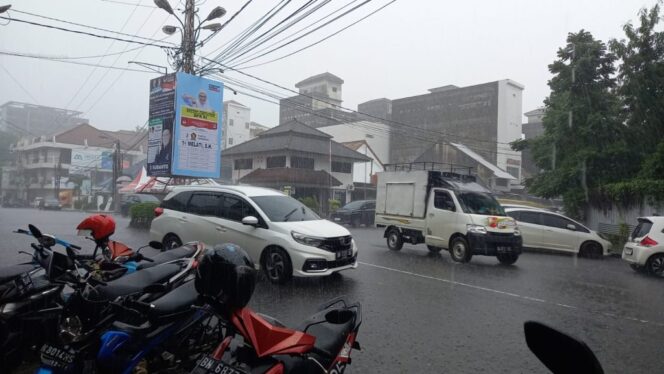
(645, 248)
(552, 231)
(281, 235)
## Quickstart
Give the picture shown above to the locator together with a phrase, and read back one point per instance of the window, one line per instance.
(246, 125)
(443, 200)
(480, 203)
(530, 217)
(342, 167)
(177, 202)
(279, 208)
(555, 221)
(642, 229)
(204, 203)
(515, 214)
(230, 141)
(334, 89)
(513, 171)
(230, 122)
(276, 162)
(302, 162)
(232, 208)
(244, 164)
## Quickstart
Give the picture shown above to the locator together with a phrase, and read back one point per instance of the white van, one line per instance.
(444, 211)
(281, 235)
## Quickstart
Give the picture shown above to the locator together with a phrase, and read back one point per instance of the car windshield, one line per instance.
(354, 205)
(284, 209)
(480, 203)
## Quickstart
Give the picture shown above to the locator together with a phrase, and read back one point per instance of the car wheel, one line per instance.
(591, 250)
(433, 249)
(394, 240)
(507, 258)
(277, 265)
(655, 265)
(460, 250)
(171, 241)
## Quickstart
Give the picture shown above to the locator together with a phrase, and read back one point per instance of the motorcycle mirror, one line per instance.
(156, 288)
(156, 245)
(560, 352)
(34, 231)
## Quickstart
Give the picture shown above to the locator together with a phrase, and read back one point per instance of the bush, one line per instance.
(142, 215)
(334, 205)
(311, 202)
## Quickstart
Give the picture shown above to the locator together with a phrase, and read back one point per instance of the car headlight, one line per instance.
(517, 232)
(476, 229)
(306, 239)
(70, 329)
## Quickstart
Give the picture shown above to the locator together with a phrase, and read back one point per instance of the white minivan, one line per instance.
(281, 235)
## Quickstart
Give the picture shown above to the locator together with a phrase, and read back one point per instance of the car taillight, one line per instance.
(158, 211)
(647, 242)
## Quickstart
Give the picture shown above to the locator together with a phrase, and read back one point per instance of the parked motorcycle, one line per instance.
(256, 343)
(91, 310)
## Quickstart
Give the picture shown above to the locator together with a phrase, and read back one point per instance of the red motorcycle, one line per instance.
(256, 343)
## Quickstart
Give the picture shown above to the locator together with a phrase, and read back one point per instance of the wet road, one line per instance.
(425, 313)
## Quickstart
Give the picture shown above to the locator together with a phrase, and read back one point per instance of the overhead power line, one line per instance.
(19, 84)
(128, 3)
(88, 26)
(223, 25)
(88, 33)
(310, 45)
(47, 58)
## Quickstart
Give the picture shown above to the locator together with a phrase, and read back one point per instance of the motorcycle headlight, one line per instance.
(307, 240)
(476, 229)
(71, 329)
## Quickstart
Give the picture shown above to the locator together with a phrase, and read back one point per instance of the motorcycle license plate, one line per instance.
(209, 365)
(503, 249)
(56, 357)
(344, 254)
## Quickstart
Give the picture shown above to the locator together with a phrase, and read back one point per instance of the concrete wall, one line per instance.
(240, 117)
(509, 126)
(374, 133)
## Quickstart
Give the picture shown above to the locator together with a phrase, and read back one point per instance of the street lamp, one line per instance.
(169, 30)
(214, 27)
(4, 8)
(163, 4)
(215, 13)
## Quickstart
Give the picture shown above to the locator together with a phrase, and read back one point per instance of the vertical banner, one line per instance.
(160, 125)
(197, 129)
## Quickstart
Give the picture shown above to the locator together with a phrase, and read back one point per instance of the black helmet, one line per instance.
(226, 276)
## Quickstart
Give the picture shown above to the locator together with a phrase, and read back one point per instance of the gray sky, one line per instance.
(408, 47)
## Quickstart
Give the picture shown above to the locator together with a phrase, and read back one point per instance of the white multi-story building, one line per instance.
(236, 124)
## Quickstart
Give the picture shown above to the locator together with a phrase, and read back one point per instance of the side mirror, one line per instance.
(560, 352)
(571, 227)
(156, 245)
(35, 231)
(250, 221)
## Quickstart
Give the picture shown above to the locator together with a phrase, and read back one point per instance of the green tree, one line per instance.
(583, 146)
(641, 78)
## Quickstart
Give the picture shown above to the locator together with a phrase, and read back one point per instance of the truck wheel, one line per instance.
(460, 250)
(433, 249)
(394, 241)
(507, 258)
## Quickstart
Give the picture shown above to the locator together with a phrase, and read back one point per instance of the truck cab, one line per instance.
(445, 211)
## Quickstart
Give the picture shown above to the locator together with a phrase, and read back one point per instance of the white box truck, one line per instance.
(444, 210)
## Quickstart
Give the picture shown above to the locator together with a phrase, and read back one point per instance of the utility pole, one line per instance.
(188, 42)
(117, 169)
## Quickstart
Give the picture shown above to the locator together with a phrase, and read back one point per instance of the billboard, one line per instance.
(184, 124)
(160, 125)
(83, 161)
(197, 127)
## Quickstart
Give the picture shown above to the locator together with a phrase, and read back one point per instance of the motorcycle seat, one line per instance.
(8, 273)
(177, 301)
(330, 337)
(170, 255)
(136, 282)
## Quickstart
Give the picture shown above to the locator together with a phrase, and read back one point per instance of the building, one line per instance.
(364, 172)
(533, 128)
(79, 158)
(317, 104)
(484, 117)
(457, 157)
(378, 110)
(25, 119)
(376, 135)
(236, 123)
(298, 159)
(256, 128)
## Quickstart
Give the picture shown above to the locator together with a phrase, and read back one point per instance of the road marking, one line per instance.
(511, 294)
